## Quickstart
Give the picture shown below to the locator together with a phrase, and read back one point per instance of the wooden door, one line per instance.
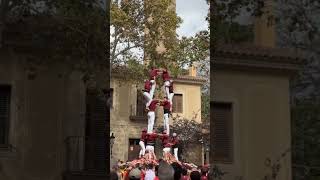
(134, 149)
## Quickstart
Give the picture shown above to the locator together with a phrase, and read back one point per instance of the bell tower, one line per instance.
(264, 26)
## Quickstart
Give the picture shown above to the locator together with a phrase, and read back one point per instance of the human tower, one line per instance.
(149, 134)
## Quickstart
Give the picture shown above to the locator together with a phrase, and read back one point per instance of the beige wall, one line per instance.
(261, 121)
(191, 100)
(124, 99)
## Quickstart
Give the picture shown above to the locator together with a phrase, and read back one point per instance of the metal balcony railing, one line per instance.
(86, 153)
(75, 153)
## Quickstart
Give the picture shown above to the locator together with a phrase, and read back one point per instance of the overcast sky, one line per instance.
(193, 14)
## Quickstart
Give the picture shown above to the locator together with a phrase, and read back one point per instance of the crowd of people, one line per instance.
(161, 170)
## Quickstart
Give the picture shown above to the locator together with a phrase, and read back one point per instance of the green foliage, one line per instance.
(305, 145)
(65, 32)
(189, 132)
(144, 26)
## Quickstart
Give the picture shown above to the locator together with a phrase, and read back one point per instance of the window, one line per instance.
(177, 103)
(97, 115)
(5, 94)
(141, 105)
(134, 149)
(222, 131)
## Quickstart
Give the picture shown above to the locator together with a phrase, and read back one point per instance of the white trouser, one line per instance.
(170, 99)
(166, 150)
(175, 152)
(143, 149)
(166, 87)
(148, 98)
(166, 123)
(153, 88)
(151, 117)
(149, 95)
(149, 148)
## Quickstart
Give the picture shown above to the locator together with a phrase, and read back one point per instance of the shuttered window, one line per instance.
(222, 131)
(177, 103)
(5, 93)
(141, 105)
(97, 117)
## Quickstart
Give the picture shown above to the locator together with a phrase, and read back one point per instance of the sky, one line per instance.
(193, 14)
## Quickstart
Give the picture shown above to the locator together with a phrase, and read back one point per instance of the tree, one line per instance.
(127, 25)
(141, 27)
(72, 33)
(188, 131)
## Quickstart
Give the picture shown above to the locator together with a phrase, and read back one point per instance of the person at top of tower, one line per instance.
(167, 81)
(165, 75)
(171, 93)
(148, 92)
(151, 114)
(142, 142)
(154, 73)
(166, 112)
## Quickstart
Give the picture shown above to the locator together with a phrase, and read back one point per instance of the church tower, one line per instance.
(264, 26)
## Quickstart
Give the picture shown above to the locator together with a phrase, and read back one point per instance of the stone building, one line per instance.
(51, 125)
(128, 116)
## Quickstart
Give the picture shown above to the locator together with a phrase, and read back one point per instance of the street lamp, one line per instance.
(111, 142)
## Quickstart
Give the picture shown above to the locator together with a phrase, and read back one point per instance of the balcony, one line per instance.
(86, 158)
(138, 113)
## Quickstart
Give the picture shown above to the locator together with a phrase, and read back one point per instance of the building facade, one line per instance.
(250, 105)
(128, 116)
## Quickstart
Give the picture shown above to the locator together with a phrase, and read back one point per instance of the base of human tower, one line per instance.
(150, 158)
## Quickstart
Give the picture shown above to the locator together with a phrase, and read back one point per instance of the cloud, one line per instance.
(193, 14)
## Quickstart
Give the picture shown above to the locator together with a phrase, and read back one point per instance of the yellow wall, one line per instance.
(191, 101)
(261, 119)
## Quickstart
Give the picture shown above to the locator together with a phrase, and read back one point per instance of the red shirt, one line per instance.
(153, 105)
(166, 104)
(154, 73)
(143, 136)
(151, 138)
(142, 175)
(147, 86)
(184, 178)
(156, 178)
(165, 140)
(165, 75)
(204, 177)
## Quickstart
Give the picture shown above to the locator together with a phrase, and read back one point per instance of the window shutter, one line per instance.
(141, 106)
(5, 93)
(223, 132)
(177, 103)
(96, 129)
